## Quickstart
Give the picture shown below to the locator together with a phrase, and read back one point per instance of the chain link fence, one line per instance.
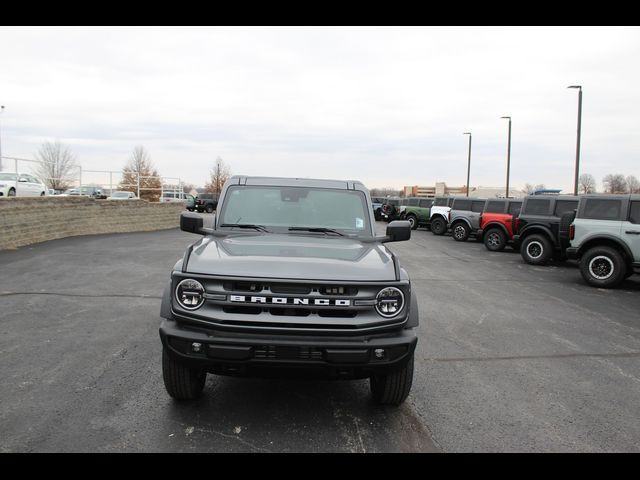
(79, 181)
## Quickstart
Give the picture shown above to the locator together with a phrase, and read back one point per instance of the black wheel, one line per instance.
(200, 210)
(460, 232)
(495, 240)
(42, 194)
(603, 267)
(12, 192)
(209, 209)
(536, 249)
(190, 209)
(438, 226)
(181, 382)
(377, 215)
(393, 388)
(413, 221)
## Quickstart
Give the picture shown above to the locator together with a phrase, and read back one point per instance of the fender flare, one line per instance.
(461, 219)
(496, 225)
(414, 315)
(165, 305)
(609, 238)
(530, 230)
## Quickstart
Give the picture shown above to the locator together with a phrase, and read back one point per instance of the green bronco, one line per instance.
(417, 211)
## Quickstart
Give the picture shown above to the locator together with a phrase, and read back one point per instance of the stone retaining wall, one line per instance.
(24, 221)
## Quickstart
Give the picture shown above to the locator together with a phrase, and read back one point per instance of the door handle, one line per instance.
(633, 232)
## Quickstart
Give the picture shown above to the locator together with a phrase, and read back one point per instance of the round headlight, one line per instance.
(190, 294)
(389, 301)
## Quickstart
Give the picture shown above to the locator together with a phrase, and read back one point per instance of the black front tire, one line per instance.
(377, 215)
(495, 240)
(603, 267)
(209, 209)
(438, 226)
(11, 192)
(460, 232)
(182, 383)
(393, 388)
(413, 221)
(536, 249)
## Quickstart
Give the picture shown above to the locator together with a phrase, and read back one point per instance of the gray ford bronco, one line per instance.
(464, 217)
(605, 238)
(291, 279)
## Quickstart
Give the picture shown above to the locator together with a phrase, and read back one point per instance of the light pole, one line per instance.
(508, 156)
(468, 162)
(575, 185)
(1, 111)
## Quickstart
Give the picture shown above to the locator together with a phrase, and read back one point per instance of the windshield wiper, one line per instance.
(316, 229)
(245, 225)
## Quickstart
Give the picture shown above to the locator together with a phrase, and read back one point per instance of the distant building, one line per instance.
(438, 190)
(441, 189)
(494, 192)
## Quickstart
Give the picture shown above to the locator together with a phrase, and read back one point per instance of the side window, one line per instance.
(477, 206)
(413, 202)
(634, 213)
(425, 203)
(602, 209)
(537, 206)
(441, 202)
(514, 208)
(564, 206)
(494, 206)
(461, 205)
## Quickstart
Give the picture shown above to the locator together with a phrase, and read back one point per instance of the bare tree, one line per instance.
(140, 166)
(58, 165)
(633, 184)
(586, 183)
(528, 188)
(219, 174)
(614, 183)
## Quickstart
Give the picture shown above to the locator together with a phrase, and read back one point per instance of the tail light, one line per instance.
(572, 231)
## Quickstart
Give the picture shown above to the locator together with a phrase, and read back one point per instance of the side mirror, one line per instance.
(192, 223)
(398, 231)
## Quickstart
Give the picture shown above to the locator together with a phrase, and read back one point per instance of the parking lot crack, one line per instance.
(536, 357)
(83, 295)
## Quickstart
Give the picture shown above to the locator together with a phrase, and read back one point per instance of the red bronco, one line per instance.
(499, 222)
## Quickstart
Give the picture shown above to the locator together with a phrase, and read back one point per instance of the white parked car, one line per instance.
(122, 195)
(21, 185)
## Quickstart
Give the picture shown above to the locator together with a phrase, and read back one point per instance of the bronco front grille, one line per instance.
(272, 352)
(289, 306)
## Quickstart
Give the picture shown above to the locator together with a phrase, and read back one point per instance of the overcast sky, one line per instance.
(385, 106)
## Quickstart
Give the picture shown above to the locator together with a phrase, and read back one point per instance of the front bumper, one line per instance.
(228, 353)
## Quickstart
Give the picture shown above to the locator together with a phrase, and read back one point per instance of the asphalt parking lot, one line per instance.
(510, 358)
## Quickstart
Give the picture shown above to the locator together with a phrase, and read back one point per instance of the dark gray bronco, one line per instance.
(291, 280)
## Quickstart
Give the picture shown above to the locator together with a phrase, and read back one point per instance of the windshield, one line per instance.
(280, 208)
(8, 176)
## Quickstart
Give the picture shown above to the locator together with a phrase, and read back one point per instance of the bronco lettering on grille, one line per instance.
(290, 301)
